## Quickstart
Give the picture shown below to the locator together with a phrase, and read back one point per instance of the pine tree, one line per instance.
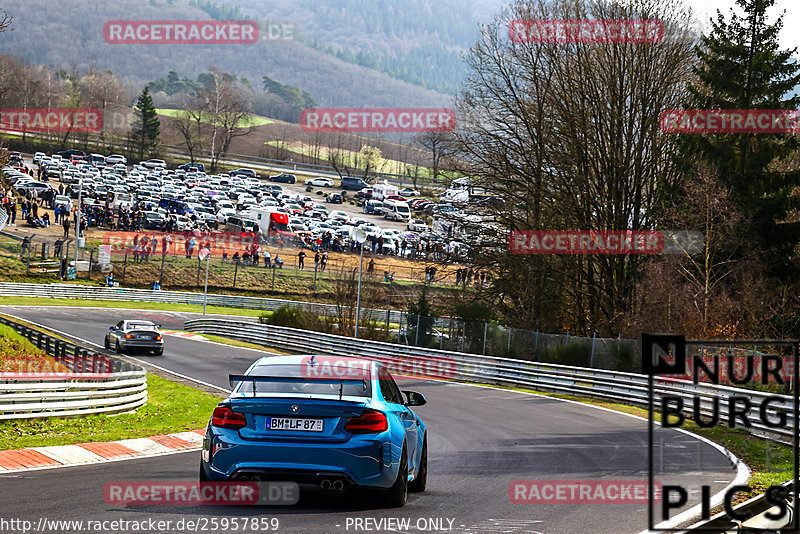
(742, 67)
(146, 131)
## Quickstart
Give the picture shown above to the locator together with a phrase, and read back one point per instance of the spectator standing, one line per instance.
(301, 258)
(66, 226)
(324, 261)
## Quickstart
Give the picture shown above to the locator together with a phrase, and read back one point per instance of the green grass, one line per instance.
(254, 120)
(39, 301)
(170, 408)
(348, 157)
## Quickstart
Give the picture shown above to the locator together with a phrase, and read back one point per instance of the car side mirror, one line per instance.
(414, 398)
(112, 327)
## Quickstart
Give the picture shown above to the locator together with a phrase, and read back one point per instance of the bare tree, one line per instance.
(568, 135)
(5, 21)
(229, 114)
(190, 125)
(440, 145)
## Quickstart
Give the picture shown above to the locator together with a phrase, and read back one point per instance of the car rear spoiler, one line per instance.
(234, 379)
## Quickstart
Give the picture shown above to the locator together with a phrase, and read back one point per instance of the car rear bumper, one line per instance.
(141, 344)
(361, 461)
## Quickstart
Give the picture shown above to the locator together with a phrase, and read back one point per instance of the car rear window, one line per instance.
(142, 326)
(294, 379)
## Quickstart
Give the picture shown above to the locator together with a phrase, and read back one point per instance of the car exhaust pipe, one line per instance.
(338, 485)
(255, 478)
(325, 485)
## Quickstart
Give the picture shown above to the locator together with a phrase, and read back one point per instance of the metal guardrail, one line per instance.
(71, 291)
(79, 382)
(588, 382)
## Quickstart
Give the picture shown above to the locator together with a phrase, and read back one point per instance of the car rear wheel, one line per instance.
(106, 344)
(203, 477)
(117, 348)
(398, 493)
(418, 484)
(159, 352)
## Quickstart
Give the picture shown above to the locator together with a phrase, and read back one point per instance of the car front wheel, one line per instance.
(418, 484)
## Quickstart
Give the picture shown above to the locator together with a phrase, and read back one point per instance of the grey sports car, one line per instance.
(135, 334)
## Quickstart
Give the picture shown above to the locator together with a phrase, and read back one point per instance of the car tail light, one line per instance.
(371, 422)
(224, 417)
(129, 336)
(158, 338)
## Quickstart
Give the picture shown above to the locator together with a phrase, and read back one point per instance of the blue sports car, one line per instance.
(329, 422)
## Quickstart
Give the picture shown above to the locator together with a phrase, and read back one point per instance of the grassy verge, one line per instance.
(170, 408)
(770, 463)
(40, 301)
(18, 355)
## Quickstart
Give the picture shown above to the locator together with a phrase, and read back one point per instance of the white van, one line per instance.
(381, 191)
(396, 210)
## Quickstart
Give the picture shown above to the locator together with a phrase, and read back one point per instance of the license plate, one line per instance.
(294, 424)
(144, 337)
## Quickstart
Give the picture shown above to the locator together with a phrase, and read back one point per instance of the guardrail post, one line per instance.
(416, 340)
(91, 260)
(485, 332)
(508, 348)
(39, 339)
(591, 358)
(235, 272)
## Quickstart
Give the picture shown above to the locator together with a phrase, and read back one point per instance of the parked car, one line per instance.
(135, 334)
(249, 173)
(154, 164)
(153, 220)
(373, 207)
(346, 425)
(334, 198)
(408, 192)
(285, 178)
(190, 167)
(353, 184)
(320, 181)
(116, 158)
(417, 225)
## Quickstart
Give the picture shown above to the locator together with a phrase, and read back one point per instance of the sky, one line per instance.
(790, 36)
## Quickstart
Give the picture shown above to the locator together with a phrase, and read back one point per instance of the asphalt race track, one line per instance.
(481, 440)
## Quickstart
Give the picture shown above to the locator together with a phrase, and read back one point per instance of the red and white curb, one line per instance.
(14, 461)
(185, 335)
